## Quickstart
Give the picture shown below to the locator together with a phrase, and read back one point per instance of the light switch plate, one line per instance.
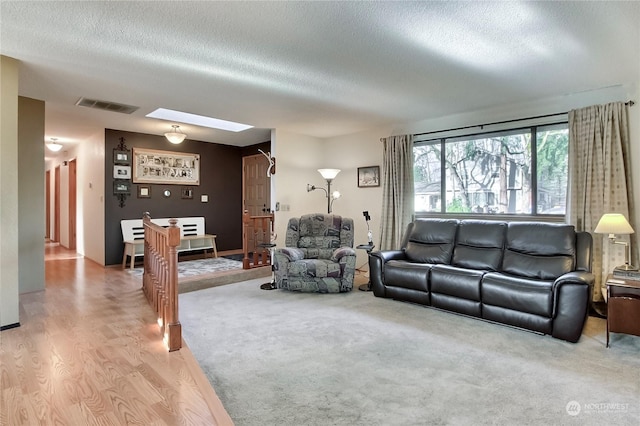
(204, 198)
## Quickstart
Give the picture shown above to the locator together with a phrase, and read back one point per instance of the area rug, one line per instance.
(192, 268)
(282, 358)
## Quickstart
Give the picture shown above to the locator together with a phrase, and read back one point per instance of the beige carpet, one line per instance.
(282, 358)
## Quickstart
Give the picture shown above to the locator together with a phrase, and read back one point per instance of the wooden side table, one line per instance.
(623, 306)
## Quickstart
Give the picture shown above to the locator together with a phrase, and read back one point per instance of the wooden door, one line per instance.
(257, 186)
(47, 204)
(72, 204)
(256, 190)
(56, 205)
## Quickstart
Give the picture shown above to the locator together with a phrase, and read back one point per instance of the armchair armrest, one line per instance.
(341, 252)
(292, 253)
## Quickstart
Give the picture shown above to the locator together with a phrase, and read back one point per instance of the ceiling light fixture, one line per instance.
(175, 136)
(197, 120)
(53, 145)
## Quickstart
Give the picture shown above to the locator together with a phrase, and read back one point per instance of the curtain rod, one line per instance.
(630, 103)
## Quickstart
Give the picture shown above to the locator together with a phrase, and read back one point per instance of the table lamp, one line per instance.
(612, 224)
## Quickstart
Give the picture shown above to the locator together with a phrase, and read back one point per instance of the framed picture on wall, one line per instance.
(122, 172)
(165, 167)
(187, 193)
(121, 157)
(368, 176)
(144, 191)
(121, 187)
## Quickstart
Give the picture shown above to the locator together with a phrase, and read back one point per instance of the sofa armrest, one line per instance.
(572, 294)
(575, 277)
(387, 255)
(377, 259)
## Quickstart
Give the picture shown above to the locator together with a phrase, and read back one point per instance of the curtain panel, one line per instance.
(397, 191)
(600, 180)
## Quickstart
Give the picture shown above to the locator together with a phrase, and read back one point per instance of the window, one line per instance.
(520, 171)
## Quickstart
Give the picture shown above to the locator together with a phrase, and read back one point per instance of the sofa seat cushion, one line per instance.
(316, 268)
(457, 282)
(400, 273)
(517, 293)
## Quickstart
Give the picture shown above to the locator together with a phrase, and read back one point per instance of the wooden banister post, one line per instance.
(173, 328)
(160, 277)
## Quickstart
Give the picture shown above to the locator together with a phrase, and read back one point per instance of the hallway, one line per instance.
(88, 351)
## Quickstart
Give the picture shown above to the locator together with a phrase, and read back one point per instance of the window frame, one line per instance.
(533, 130)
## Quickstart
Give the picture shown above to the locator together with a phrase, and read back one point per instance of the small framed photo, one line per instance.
(187, 193)
(121, 187)
(144, 191)
(122, 172)
(368, 176)
(121, 157)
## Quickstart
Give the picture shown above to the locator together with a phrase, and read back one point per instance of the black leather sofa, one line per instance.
(531, 275)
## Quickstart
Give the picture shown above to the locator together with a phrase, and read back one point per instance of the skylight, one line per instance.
(198, 120)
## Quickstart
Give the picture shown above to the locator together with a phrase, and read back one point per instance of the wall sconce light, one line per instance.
(175, 136)
(612, 224)
(54, 145)
(328, 175)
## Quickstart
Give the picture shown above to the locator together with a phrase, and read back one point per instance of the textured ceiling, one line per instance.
(315, 68)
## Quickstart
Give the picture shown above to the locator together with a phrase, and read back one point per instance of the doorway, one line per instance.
(72, 204)
(47, 204)
(56, 205)
(256, 191)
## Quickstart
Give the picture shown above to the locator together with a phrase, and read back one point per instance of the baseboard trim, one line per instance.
(9, 326)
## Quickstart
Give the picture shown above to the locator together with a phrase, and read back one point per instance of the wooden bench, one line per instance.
(192, 237)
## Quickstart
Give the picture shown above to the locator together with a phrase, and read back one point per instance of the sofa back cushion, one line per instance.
(539, 250)
(479, 245)
(431, 240)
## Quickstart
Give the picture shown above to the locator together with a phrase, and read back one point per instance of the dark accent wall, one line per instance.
(220, 179)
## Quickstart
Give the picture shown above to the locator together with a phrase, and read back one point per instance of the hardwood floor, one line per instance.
(88, 352)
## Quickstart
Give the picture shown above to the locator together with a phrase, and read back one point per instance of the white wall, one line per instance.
(9, 294)
(297, 159)
(347, 154)
(91, 218)
(89, 156)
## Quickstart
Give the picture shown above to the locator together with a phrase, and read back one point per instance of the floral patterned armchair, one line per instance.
(319, 255)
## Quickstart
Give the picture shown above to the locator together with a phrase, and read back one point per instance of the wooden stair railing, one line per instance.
(257, 233)
(160, 277)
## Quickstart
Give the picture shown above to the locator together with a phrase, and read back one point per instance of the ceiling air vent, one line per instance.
(106, 105)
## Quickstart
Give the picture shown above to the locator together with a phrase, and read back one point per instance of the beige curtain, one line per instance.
(599, 179)
(397, 191)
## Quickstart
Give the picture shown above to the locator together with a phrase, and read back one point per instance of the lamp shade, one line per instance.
(175, 136)
(613, 223)
(329, 173)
